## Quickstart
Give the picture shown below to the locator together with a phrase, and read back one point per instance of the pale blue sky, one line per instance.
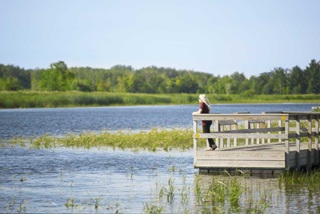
(213, 36)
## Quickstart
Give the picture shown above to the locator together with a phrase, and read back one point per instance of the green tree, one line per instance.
(210, 84)
(136, 83)
(150, 78)
(186, 84)
(223, 85)
(153, 79)
(10, 84)
(236, 80)
(122, 83)
(312, 74)
(57, 78)
(278, 81)
(296, 81)
(260, 82)
(14, 77)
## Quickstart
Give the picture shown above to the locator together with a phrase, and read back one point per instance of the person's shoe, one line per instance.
(209, 149)
(214, 146)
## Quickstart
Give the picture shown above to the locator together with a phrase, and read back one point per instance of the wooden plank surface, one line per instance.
(240, 155)
(238, 135)
(263, 156)
(240, 117)
(241, 164)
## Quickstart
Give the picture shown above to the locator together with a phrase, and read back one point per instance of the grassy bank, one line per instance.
(35, 99)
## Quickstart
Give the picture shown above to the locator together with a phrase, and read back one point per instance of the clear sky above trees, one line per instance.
(218, 37)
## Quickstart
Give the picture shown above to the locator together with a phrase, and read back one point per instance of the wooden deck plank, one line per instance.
(237, 135)
(241, 164)
(241, 155)
(261, 156)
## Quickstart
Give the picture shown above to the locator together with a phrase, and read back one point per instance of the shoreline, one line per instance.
(72, 99)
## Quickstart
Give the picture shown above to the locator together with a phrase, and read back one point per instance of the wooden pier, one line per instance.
(266, 141)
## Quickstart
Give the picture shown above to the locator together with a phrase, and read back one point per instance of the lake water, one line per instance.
(106, 181)
(60, 121)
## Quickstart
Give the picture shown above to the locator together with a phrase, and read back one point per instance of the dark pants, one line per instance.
(206, 129)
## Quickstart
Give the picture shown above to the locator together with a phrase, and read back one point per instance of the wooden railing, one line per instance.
(244, 129)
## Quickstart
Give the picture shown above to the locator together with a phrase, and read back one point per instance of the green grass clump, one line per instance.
(231, 194)
(150, 140)
(297, 180)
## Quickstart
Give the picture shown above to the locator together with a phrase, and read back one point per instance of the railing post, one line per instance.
(229, 140)
(279, 125)
(287, 146)
(195, 142)
(316, 140)
(250, 127)
(269, 126)
(258, 126)
(309, 164)
(235, 140)
(262, 126)
(216, 128)
(246, 126)
(298, 142)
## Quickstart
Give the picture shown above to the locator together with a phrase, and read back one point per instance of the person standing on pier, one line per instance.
(205, 109)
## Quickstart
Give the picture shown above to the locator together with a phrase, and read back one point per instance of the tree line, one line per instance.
(158, 80)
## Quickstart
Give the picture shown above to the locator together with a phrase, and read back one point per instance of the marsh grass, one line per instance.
(213, 194)
(295, 180)
(40, 99)
(227, 193)
(70, 203)
(21, 207)
(168, 191)
(151, 208)
(37, 99)
(152, 140)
